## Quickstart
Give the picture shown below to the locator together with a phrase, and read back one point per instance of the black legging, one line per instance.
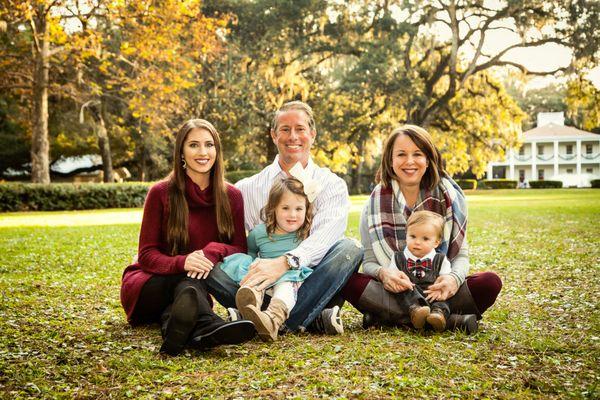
(159, 292)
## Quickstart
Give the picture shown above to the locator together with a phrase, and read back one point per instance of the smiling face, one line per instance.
(290, 213)
(408, 161)
(421, 239)
(293, 137)
(199, 153)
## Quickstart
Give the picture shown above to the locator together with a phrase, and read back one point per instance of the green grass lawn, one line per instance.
(63, 332)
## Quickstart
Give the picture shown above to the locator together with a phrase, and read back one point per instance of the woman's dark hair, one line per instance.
(177, 226)
(422, 139)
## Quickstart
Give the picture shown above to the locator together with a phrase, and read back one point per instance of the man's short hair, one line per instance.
(424, 217)
(294, 105)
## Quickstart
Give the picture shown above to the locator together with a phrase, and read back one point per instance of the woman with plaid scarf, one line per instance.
(411, 177)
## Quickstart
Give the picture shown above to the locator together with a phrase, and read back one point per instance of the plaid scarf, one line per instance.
(387, 213)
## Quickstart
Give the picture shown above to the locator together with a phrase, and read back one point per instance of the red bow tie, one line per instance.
(419, 267)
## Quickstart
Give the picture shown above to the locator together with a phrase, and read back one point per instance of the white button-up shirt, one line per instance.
(330, 208)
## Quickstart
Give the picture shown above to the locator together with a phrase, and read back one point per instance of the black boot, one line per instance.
(370, 320)
(467, 323)
(210, 330)
(462, 302)
(216, 332)
(382, 307)
(179, 320)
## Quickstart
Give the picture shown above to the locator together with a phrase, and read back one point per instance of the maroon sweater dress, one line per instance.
(153, 250)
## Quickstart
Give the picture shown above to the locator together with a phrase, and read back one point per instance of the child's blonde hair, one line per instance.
(427, 217)
(294, 186)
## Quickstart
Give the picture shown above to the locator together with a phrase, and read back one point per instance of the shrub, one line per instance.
(545, 184)
(235, 176)
(68, 196)
(499, 184)
(467, 184)
(595, 183)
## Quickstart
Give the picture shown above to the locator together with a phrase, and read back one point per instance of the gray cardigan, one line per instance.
(370, 266)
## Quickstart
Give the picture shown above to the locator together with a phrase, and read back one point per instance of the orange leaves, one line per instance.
(159, 56)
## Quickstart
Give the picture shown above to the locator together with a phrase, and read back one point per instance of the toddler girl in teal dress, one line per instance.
(287, 216)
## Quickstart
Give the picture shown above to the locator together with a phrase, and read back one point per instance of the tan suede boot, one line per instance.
(267, 322)
(247, 296)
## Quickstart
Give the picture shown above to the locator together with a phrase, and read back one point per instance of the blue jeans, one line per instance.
(327, 279)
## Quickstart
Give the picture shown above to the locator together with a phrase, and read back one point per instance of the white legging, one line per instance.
(285, 292)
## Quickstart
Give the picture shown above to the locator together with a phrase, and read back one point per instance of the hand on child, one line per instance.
(262, 273)
(443, 288)
(394, 280)
(197, 265)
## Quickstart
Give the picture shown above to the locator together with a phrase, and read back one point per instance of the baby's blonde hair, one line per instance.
(294, 186)
(427, 217)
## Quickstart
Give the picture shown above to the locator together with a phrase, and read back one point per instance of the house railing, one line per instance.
(522, 158)
(567, 156)
(590, 156)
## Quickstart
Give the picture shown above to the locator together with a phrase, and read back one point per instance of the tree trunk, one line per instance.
(356, 181)
(271, 148)
(143, 164)
(40, 146)
(103, 142)
(356, 185)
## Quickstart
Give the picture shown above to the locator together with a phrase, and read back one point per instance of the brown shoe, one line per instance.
(419, 315)
(247, 296)
(267, 322)
(437, 320)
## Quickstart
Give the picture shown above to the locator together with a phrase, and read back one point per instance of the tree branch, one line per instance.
(15, 87)
(528, 72)
(495, 61)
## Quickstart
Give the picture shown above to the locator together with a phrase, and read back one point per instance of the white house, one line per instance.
(552, 151)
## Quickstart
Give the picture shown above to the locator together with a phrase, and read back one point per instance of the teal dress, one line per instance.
(261, 246)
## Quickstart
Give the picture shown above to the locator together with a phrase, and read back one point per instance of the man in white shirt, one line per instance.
(332, 256)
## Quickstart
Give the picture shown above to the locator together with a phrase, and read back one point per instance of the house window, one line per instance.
(521, 175)
(540, 150)
(540, 174)
(589, 170)
(588, 149)
(522, 151)
(569, 170)
(569, 149)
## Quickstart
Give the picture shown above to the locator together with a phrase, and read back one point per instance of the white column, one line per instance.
(578, 155)
(511, 163)
(555, 157)
(534, 176)
(490, 171)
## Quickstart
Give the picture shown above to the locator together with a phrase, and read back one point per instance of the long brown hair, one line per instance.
(280, 187)
(422, 139)
(177, 226)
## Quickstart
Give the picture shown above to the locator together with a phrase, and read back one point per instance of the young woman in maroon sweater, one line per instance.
(192, 220)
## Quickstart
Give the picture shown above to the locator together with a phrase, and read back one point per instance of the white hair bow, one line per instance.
(311, 187)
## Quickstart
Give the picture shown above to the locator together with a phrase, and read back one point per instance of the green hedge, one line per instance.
(545, 184)
(467, 184)
(83, 196)
(595, 183)
(235, 176)
(499, 184)
(68, 196)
